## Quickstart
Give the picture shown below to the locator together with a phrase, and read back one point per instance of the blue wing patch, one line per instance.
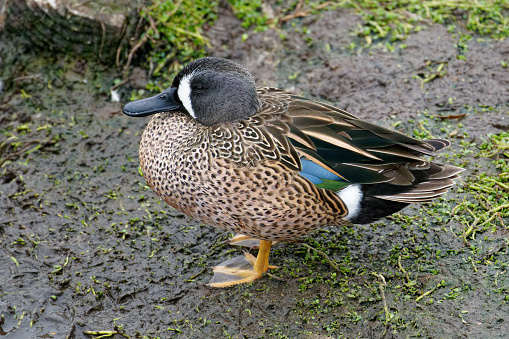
(321, 177)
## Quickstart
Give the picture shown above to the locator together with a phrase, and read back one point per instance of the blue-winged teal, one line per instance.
(274, 166)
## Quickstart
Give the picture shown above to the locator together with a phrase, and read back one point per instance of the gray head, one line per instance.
(211, 90)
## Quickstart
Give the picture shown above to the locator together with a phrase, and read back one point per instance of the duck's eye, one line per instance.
(199, 88)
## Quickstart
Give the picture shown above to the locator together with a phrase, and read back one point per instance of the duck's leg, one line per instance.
(245, 241)
(244, 269)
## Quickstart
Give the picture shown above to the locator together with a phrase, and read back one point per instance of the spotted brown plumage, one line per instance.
(275, 166)
(232, 177)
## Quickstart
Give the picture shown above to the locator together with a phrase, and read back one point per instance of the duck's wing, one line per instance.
(334, 149)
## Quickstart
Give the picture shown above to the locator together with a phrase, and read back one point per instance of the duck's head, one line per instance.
(211, 90)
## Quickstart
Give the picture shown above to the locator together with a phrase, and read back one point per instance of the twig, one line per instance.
(500, 219)
(325, 256)
(117, 57)
(177, 5)
(381, 284)
(496, 209)
(154, 28)
(2, 14)
(28, 77)
(193, 34)
(140, 43)
(440, 284)
(450, 116)
(402, 269)
(191, 278)
(119, 84)
(104, 334)
(136, 34)
(103, 39)
(302, 13)
(274, 276)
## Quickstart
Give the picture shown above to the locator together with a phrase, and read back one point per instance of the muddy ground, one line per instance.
(86, 246)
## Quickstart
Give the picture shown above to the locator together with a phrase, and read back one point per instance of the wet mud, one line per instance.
(86, 246)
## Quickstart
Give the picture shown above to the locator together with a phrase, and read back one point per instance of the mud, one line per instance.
(86, 246)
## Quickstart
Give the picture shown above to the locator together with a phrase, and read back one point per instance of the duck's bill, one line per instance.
(163, 102)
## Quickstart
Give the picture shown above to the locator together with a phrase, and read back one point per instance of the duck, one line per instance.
(273, 166)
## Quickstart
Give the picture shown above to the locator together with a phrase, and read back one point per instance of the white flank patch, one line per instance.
(184, 93)
(352, 196)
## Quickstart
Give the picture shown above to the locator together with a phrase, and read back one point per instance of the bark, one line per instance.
(87, 28)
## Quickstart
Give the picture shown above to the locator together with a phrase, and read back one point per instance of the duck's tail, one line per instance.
(418, 182)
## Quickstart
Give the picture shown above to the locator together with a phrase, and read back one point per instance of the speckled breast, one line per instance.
(213, 175)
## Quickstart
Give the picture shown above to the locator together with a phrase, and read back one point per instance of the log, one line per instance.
(83, 27)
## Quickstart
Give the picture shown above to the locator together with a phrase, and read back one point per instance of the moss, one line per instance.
(486, 201)
(176, 37)
(251, 14)
(175, 33)
(395, 20)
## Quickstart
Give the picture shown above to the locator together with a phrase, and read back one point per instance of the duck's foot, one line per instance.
(244, 241)
(243, 269)
(238, 270)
